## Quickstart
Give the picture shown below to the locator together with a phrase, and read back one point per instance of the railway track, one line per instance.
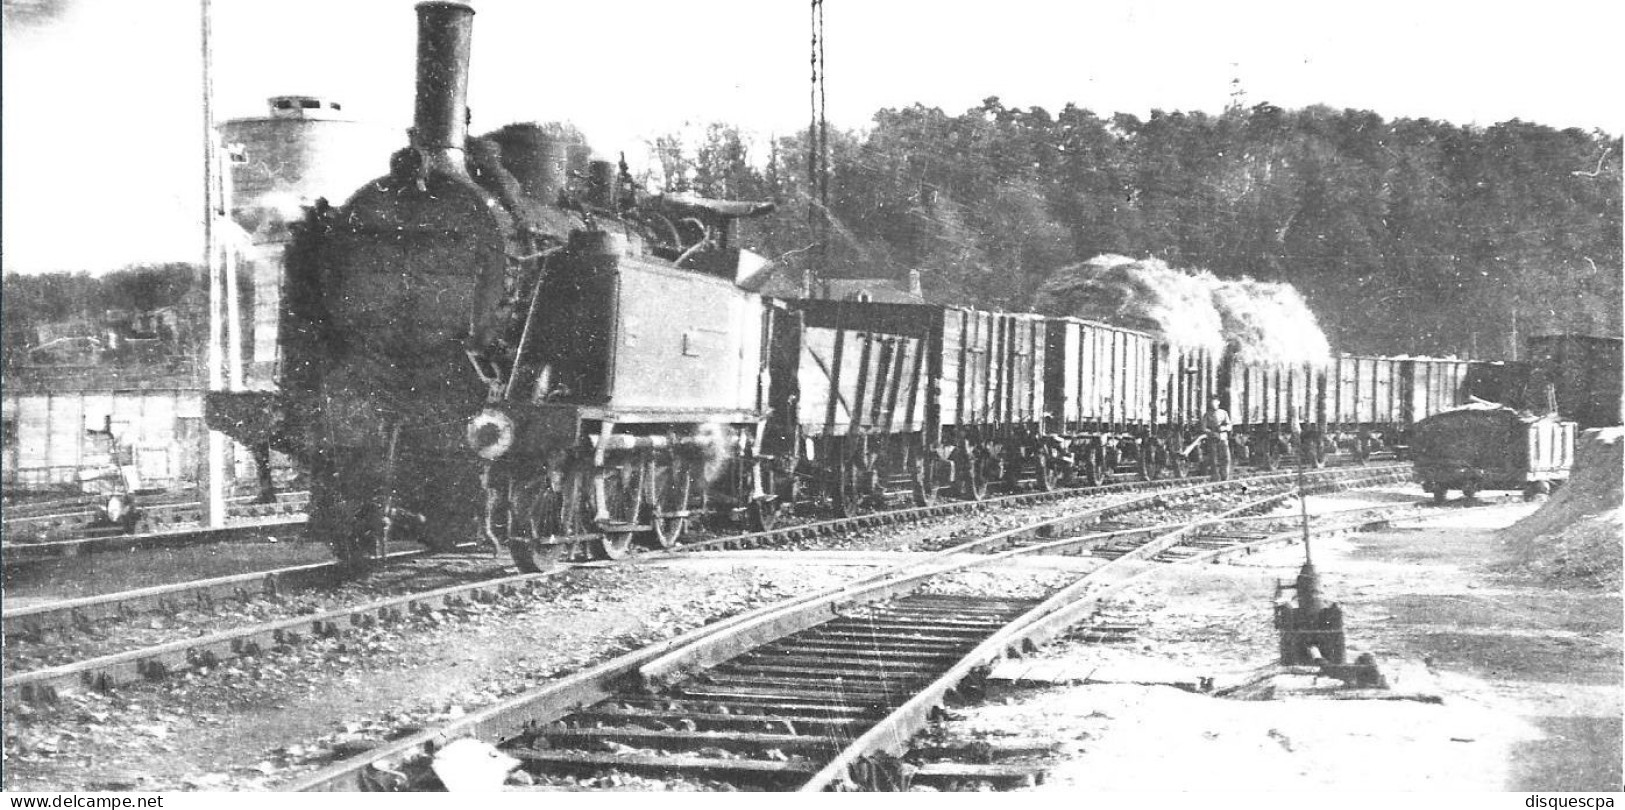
(20, 555)
(72, 519)
(204, 594)
(153, 662)
(821, 691)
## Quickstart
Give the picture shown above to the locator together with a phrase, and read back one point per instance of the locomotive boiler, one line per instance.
(499, 337)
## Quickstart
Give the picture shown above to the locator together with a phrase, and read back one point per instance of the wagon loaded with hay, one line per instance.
(1487, 446)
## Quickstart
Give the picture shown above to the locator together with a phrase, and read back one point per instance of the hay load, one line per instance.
(1265, 322)
(1269, 322)
(1135, 292)
(1576, 536)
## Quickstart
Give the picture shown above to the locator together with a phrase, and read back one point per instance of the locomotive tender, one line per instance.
(500, 337)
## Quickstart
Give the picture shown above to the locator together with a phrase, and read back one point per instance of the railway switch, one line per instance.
(1312, 633)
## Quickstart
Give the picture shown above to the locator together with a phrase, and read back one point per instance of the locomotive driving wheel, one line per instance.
(547, 513)
(618, 498)
(666, 503)
(763, 513)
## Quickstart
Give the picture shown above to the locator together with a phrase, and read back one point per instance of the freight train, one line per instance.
(501, 337)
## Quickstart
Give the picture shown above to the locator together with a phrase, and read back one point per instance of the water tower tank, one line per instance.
(304, 149)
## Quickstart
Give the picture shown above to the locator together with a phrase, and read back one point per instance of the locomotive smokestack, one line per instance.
(440, 123)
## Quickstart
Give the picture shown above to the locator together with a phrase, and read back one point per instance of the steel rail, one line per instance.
(178, 596)
(1043, 622)
(704, 654)
(73, 612)
(107, 671)
(188, 511)
(13, 555)
(646, 668)
(150, 663)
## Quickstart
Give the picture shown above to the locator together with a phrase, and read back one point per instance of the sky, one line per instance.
(102, 99)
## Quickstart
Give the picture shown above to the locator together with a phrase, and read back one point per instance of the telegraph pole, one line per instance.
(817, 158)
(213, 484)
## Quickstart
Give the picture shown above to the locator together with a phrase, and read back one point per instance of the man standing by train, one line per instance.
(1216, 424)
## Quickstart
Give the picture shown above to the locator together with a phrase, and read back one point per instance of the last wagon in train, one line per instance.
(1485, 446)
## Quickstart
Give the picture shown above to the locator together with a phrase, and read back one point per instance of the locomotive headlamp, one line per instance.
(491, 434)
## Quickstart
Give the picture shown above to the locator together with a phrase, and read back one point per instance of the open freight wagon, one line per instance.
(888, 398)
(1488, 446)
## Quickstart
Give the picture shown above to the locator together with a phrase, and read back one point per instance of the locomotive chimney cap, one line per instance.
(447, 4)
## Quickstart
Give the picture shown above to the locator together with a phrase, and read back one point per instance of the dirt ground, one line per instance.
(1528, 673)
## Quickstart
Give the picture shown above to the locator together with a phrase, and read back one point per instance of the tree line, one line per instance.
(1411, 235)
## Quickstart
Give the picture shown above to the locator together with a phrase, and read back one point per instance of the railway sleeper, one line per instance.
(657, 765)
(772, 695)
(738, 741)
(872, 636)
(710, 721)
(874, 671)
(838, 647)
(745, 706)
(852, 687)
(905, 623)
(887, 661)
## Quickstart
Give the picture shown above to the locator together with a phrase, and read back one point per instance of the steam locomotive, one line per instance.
(501, 337)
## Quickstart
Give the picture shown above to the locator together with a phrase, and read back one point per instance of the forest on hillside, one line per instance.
(1405, 236)
(1410, 235)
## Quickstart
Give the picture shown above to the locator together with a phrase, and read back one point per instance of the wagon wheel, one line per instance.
(619, 497)
(1144, 464)
(1091, 471)
(1362, 450)
(847, 497)
(1312, 452)
(1049, 473)
(920, 482)
(1271, 455)
(1536, 490)
(1176, 464)
(665, 502)
(1317, 453)
(763, 514)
